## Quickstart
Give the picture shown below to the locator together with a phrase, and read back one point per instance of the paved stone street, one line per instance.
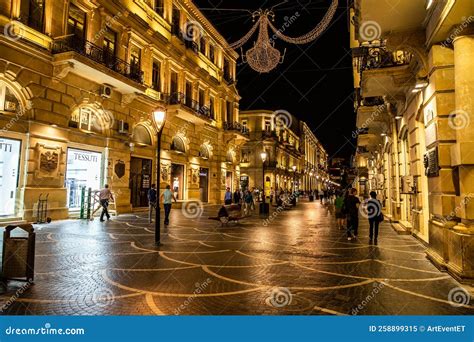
(300, 263)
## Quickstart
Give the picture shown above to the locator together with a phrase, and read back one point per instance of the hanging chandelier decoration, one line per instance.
(263, 57)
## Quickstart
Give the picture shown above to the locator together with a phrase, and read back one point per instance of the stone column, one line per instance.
(461, 237)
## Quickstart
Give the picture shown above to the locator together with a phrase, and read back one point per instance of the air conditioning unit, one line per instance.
(123, 127)
(105, 91)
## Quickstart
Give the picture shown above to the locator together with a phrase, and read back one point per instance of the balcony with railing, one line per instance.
(383, 72)
(188, 108)
(236, 128)
(84, 52)
(228, 79)
(269, 135)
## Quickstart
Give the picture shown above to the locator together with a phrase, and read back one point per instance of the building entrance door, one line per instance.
(140, 181)
(204, 185)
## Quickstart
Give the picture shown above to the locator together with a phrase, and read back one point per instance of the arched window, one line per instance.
(88, 119)
(141, 135)
(8, 101)
(204, 152)
(178, 145)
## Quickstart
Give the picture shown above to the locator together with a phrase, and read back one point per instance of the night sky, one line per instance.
(314, 83)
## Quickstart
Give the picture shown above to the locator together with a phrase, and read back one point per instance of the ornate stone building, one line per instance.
(289, 143)
(79, 80)
(414, 83)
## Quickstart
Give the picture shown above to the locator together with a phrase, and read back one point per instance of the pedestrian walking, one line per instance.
(151, 201)
(272, 195)
(228, 197)
(105, 195)
(321, 196)
(375, 215)
(249, 203)
(352, 206)
(167, 196)
(339, 205)
(237, 196)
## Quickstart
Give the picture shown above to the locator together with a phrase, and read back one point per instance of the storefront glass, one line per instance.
(177, 181)
(83, 170)
(9, 166)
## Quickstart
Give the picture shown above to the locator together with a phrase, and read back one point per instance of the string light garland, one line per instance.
(263, 57)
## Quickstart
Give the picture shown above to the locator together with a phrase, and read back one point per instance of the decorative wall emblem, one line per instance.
(195, 176)
(48, 160)
(164, 173)
(119, 168)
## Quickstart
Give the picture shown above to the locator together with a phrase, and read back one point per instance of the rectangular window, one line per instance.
(156, 75)
(189, 94)
(76, 23)
(109, 45)
(245, 126)
(160, 7)
(212, 107)
(212, 53)
(174, 82)
(135, 58)
(32, 14)
(230, 112)
(176, 17)
(202, 45)
(201, 98)
(267, 125)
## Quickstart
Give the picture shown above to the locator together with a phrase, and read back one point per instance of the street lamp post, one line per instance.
(264, 208)
(294, 185)
(159, 116)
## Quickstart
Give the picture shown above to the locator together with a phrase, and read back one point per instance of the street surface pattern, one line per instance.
(299, 263)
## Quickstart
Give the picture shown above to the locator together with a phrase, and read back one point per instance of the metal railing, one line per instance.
(195, 106)
(98, 55)
(377, 57)
(236, 126)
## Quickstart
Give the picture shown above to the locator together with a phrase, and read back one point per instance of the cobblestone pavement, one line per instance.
(300, 263)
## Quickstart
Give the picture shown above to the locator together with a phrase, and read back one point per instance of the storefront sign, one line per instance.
(9, 162)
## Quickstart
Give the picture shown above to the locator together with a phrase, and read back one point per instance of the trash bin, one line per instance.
(18, 262)
(311, 198)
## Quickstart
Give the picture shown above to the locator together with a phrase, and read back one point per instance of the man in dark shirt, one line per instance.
(352, 209)
(151, 201)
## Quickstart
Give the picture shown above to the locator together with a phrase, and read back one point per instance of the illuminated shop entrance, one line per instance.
(244, 183)
(140, 181)
(9, 167)
(228, 180)
(83, 170)
(177, 180)
(204, 185)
